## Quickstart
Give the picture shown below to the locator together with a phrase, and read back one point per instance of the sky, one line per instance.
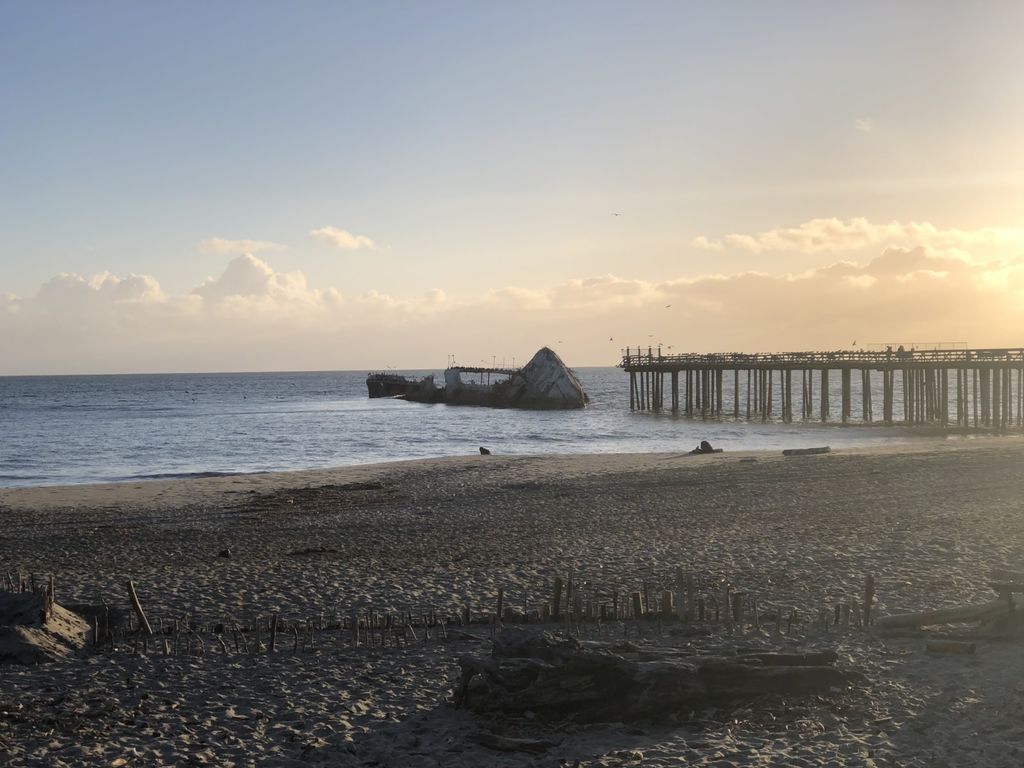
(341, 186)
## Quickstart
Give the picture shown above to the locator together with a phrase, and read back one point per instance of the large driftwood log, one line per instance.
(1005, 626)
(960, 615)
(1007, 574)
(559, 678)
(806, 451)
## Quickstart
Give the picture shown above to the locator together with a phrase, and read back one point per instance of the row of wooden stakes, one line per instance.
(693, 600)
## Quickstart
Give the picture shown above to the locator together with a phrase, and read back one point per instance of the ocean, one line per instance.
(90, 429)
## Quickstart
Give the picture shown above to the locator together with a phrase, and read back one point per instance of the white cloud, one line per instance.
(343, 239)
(223, 245)
(861, 281)
(865, 124)
(252, 317)
(818, 235)
(66, 291)
(706, 244)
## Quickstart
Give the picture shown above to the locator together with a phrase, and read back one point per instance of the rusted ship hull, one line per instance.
(395, 386)
(545, 383)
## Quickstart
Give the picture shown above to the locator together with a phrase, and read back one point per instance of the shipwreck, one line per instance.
(544, 383)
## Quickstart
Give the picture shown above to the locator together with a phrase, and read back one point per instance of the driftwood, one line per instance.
(560, 678)
(959, 615)
(806, 451)
(950, 646)
(1006, 588)
(509, 744)
(1005, 626)
(1007, 574)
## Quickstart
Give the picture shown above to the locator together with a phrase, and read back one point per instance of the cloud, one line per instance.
(343, 239)
(66, 291)
(818, 235)
(865, 124)
(248, 276)
(706, 244)
(223, 245)
(252, 317)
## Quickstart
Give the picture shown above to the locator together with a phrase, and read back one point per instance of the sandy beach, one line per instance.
(928, 520)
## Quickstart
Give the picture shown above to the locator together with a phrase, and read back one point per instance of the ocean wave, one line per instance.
(187, 475)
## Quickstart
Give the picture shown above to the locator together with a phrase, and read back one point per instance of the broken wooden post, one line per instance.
(737, 608)
(667, 604)
(556, 599)
(273, 634)
(691, 597)
(137, 606)
(638, 610)
(680, 590)
(869, 596)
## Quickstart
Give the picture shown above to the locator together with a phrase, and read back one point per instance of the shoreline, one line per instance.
(204, 488)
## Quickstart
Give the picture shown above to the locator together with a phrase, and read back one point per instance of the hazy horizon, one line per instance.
(235, 188)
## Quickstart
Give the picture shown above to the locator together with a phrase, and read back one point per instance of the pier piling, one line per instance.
(966, 389)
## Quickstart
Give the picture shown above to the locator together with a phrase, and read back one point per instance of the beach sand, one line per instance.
(929, 520)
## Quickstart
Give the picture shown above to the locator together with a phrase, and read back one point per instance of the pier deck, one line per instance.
(965, 388)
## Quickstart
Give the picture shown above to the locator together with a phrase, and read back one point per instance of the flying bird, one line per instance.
(667, 306)
(616, 214)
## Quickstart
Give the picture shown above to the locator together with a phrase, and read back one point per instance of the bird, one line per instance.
(616, 214)
(667, 306)
(855, 342)
(611, 338)
(484, 451)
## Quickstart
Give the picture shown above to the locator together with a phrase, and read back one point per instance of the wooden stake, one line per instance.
(667, 606)
(869, 596)
(638, 610)
(137, 606)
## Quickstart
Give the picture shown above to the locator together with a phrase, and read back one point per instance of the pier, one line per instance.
(946, 388)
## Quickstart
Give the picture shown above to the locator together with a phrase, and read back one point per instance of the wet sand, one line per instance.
(928, 520)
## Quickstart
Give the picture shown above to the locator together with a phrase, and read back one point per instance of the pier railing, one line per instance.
(483, 369)
(653, 357)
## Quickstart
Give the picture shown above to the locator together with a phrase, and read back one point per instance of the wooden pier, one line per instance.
(946, 388)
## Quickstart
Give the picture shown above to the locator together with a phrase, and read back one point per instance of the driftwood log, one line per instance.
(960, 615)
(560, 678)
(806, 451)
